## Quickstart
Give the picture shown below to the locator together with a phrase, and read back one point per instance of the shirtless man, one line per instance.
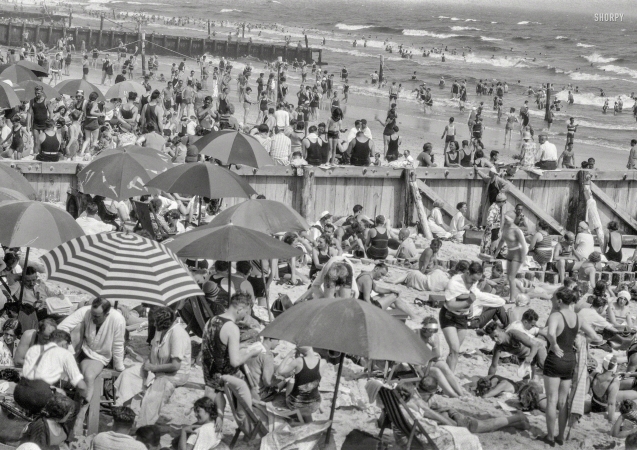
(571, 128)
(366, 283)
(517, 249)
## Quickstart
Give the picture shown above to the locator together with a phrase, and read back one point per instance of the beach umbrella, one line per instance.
(70, 87)
(16, 74)
(121, 266)
(351, 327)
(267, 216)
(229, 243)
(122, 172)
(35, 224)
(8, 98)
(203, 179)
(37, 69)
(8, 195)
(26, 90)
(232, 147)
(11, 178)
(121, 90)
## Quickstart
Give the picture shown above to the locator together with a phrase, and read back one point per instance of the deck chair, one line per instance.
(258, 428)
(142, 212)
(392, 414)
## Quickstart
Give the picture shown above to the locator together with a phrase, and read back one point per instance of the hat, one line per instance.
(623, 294)
(583, 225)
(79, 92)
(325, 214)
(526, 135)
(501, 197)
(609, 362)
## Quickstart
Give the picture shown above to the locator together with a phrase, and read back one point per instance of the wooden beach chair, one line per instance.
(142, 212)
(392, 414)
(257, 428)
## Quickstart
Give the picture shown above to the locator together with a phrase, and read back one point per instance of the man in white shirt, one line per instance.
(282, 117)
(351, 134)
(5, 142)
(547, 153)
(584, 242)
(44, 367)
(263, 138)
(593, 315)
(365, 129)
(281, 148)
(91, 223)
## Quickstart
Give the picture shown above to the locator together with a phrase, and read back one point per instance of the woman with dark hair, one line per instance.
(541, 245)
(334, 125)
(393, 144)
(613, 243)
(167, 367)
(11, 333)
(91, 122)
(47, 431)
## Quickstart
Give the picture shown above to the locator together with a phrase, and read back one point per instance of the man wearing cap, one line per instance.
(584, 242)
(564, 255)
(38, 115)
(547, 153)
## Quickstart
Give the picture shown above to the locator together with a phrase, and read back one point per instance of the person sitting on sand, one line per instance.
(628, 416)
(407, 249)
(608, 388)
(377, 239)
(119, 437)
(306, 366)
(366, 283)
(518, 341)
(48, 430)
(430, 276)
(203, 435)
(458, 224)
(436, 224)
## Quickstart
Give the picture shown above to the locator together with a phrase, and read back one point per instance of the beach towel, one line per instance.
(578, 390)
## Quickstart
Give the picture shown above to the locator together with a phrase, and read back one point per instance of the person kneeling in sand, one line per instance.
(366, 283)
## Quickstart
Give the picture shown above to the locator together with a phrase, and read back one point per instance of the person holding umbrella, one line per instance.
(222, 355)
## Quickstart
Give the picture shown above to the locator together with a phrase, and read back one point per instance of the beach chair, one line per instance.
(142, 212)
(392, 414)
(256, 428)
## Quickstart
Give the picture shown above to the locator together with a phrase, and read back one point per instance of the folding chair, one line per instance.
(142, 212)
(258, 428)
(393, 415)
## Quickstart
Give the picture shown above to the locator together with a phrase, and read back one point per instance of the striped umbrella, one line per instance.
(232, 147)
(122, 266)
(8, 98)
(70, 87)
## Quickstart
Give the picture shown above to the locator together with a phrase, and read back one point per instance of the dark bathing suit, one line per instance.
(563, 367)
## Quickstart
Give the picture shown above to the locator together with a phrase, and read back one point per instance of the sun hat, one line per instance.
(501, 197)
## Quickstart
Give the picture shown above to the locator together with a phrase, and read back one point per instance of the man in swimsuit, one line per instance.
(571, 128)
(517, 339)
(366, 283)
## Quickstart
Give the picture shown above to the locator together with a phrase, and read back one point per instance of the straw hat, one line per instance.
(501, 197)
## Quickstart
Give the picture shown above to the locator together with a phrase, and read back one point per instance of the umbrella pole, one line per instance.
(199, 224)
(24, 271)
(338, 381)
(229, 281)
(267, 295)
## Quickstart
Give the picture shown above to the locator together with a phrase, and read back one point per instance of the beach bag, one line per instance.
(281, 304)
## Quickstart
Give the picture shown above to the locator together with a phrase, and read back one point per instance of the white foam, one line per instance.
(455, 18)
(428, 33)
(587, 99)
(443, 17)
(597, 58)
(496, 62)
(489, 39)
(605, 126)
(494, 22)
(579, 44)
(581, 76)
(561, 37)
(470, 20)
(344, 26)
(228, 10)
(620, 70)
(524, 22)
(464, 28)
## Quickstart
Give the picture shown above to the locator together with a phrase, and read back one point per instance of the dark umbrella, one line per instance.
(351, 327)
(229, 243)
(26, 90)
(16, 74)
(37, 69)
(70, 87)
(232, 147)
(122, 172)
(10, 178)
(8, 98)
(35, 224)
(119, 90)
(7, 195)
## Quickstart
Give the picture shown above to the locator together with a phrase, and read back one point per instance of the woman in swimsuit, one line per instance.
(613, 241)
(321, 254)
(517, 250)
(334, 125)
(511, 119)
(559, 365)
(377, 240)
(542, 245)
(608, 389)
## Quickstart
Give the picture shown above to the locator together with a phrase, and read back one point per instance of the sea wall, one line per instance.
(12, 34)
(556, 197)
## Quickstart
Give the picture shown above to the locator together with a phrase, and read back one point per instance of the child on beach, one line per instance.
(567, 158)
(203, 435)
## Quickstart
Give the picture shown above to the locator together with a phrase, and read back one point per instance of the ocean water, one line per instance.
(524, 48)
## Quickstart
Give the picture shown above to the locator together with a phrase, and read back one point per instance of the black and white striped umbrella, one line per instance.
(122, 266)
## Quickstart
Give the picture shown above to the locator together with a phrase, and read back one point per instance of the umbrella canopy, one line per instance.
(267, 216)
(8, 195)
(349, 326)
(207, 180)
(70, 87)
(37, 69)
(121, 266)
(122, 172)
(121, 90)
(36, 224)
(10, 178)
(229, 243)
(16, 74)
(8, 98)
(26, 90)
(232, 147)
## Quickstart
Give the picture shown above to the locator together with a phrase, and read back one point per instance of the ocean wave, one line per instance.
(524, 22)
(579, 44)
(428, 34)
(561, 38)
(489, 39)
(521, 38)
(464, 28)
(344, 26)
(470, 20)
(587, 99)
(605, 126)
(597, 58)
(455, 18)
(581, 76)
(496, 62)
(494, 22)
(620, 70)
(443, 17)
(224, 10)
